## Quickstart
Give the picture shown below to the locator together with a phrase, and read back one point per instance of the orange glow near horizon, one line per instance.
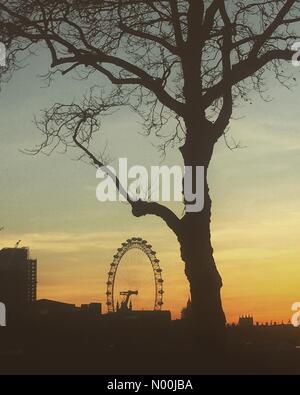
(73, 268)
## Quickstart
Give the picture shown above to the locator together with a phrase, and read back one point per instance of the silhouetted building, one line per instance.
(142, 315)
(152, 315)
(246, 321)
(60, 310)
(92, 308)
(18, 279)
(46, 306)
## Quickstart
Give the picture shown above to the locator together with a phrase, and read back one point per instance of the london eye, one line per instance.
(129, 246)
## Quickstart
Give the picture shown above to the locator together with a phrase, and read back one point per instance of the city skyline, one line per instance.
(19, 290)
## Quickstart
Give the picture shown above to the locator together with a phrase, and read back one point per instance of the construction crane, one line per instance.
(125, 301)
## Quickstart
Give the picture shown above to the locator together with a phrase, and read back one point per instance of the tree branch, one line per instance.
(139, 207)
(147, 36)
(271, 28)
(226, 111)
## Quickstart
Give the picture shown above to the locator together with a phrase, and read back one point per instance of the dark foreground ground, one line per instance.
(144, 348)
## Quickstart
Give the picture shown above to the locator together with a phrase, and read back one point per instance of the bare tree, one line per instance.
(188, 60)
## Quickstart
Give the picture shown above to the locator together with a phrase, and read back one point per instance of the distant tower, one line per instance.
(186, 311)
(246, 321)
(126, 304)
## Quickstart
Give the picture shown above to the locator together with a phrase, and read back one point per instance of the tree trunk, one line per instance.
(205, 282)
(207, 316)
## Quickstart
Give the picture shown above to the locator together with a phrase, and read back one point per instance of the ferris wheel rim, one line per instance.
(141, 244)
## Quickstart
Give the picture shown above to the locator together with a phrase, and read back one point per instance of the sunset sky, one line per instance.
(50, 203)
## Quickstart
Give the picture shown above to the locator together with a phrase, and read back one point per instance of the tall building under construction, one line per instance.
(18, 279)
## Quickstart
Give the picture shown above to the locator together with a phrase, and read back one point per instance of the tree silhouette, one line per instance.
(188, 60)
